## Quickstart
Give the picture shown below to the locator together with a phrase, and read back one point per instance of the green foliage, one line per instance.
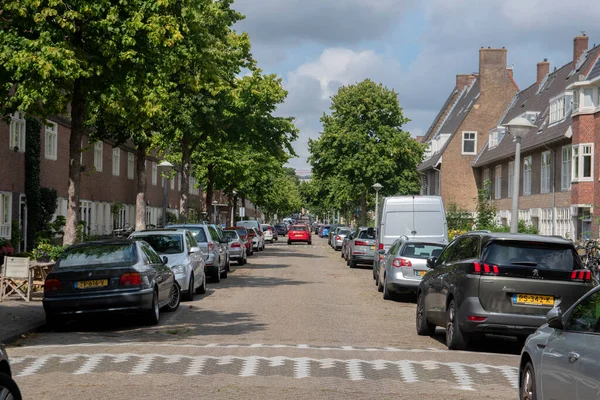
(32, 178)
(16, 234)
(48, 204)
(47, 250)
(523, 227)
(458, 219)
(486, 213)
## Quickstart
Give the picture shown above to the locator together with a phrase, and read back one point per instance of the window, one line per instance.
(17, 132)
(586, 315)
(511, 177)
(487, 180)
(51, 138)
(469, 143)
(98, 150)
(583, 161)
(498, 182)
(588, 101)
(557, 109)
(545, 178)
(154, 173)
(527, 176)
(565, 178)
(130, 165)
(116, 161)
(576, 100)
(5, 214)
(465, 249)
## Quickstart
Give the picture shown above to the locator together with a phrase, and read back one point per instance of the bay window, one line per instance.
(582, 162)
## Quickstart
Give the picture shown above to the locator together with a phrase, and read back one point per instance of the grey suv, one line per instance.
(211, 240)
(498, 283)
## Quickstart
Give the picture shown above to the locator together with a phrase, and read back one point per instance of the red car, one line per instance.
(245, 236)
(299, 233)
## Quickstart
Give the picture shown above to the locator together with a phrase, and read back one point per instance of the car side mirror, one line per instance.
(381, 252)
(165, 260)
(554, 318)
(194, 249)
(431, 262)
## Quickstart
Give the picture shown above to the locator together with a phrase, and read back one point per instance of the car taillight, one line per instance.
(380, 246)
(130, 279)
(479, 268)
(338, 238)
(581, 275)
(401, 262)
(360, 243)
(52, 285)
(475, 318)
(235, 244)
(211, 246)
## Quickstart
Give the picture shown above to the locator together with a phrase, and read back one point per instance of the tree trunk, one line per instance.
(186, 159)
(235, 202)
(363, 208)
(209, 195)
(140, 198)
(77, 126)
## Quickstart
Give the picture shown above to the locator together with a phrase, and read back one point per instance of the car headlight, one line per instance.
(178, 269)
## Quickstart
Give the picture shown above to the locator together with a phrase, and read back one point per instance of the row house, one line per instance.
(557, 192)
(460, 129)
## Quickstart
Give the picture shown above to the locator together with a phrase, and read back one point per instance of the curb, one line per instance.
(15, 335)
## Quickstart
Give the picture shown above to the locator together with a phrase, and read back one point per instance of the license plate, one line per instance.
(420, 272)
(533, 299)
(91, 284)
(372, 247)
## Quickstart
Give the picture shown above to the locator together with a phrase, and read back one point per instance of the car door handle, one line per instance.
(573, 357)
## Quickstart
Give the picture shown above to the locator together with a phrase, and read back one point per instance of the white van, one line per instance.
(416, 217)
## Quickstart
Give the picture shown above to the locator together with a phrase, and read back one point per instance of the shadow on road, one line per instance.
(256, 281)
(289, 254)
(250, 266)
(487, 344)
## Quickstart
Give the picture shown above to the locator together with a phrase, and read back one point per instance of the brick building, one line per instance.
(557, 190)
(461, 128)
(108, 176)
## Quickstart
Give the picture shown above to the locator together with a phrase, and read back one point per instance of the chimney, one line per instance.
(492, 67)
(580, 45)
(543, 69)
(420, 138)
(463, 80)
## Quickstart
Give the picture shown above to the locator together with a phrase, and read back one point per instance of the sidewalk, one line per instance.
(18, 317)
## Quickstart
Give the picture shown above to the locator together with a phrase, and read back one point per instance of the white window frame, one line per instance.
(17, 131)
(546, 165)
(130, 165)
(585, 103)
(116, 161)
(98, 155)
(487, 179)
(558, 109)
(576, 100)
(565, 173)
(511, 177)
(498, 182)
(51, 140)
(580, 152)
(527, 162)
(6, 215)
(154, 173)
(464, 140)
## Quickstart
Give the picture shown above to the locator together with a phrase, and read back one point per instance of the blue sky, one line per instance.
(415, 47)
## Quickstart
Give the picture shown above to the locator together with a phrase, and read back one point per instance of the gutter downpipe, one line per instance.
(439, 180)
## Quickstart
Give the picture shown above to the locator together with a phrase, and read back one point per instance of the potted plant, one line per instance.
(46, 252)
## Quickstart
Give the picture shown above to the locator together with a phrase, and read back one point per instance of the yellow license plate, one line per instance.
(420, 273)
(533, 299)
(372, 247)
(91, 284)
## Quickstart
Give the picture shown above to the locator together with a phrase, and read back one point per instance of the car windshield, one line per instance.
(298, 228)
(230, 234)
(537, 255)
(98, 254)
(163, 243)
(242, 232)
(422, 250)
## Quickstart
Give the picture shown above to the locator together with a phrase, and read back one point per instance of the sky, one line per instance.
(415, 47)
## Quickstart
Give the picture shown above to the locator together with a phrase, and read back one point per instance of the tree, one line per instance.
(362, 143)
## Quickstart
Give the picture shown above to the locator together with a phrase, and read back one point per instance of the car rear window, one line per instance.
(422, 250)
(365, 235)
(163, 243)
(344, 231)
(550, 256)
(298, 228)
(230, 234)
(98, 254)
(242, 232)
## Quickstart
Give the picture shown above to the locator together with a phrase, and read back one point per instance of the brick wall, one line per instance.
(12, 164)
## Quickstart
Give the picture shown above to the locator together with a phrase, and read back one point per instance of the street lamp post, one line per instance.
(377, 188)
(234, 193)
(164, 167)
(517, 128)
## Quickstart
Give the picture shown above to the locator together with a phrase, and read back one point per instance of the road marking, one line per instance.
(464, 376)
(264, 346)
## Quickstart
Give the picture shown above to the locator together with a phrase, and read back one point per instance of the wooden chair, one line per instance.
(16, 278)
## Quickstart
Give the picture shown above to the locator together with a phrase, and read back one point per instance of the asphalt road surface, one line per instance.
(294, 323)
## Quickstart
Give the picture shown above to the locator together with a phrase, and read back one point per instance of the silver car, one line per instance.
(8, 387)
(184, 257)
(237, 248)
(338, 240)
(561, 359)
(404, 265)
(362, 248)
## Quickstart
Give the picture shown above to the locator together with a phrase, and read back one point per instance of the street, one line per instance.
(294, 323)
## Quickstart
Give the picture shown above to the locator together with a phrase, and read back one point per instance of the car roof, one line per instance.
(524, 237)
(105, 241)
(161, 230)
(414, 241)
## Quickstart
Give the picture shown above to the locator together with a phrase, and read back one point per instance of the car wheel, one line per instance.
(153, 314)
(310, 242)
(242, 261)
(424, 327)
(202, 288)
(387, 295)
(347, 261)
(217, 276)
(527, 386)
(174, 298)
(379, 285)
(189, 296)
(352, 263)
(289, 242)
(9, 388)
(224, 274)
(455, 338)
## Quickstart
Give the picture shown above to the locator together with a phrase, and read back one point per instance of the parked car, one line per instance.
(404, 265)
(318, 228)
(255, 239)
(267, 232)
(299, 233)
(346, 245)
(275, 233)
(237, 249)
(560, 360)
(110, 275)
(244, 235)
(210, 239)
(8, 387)
(362, 248)
(281, 229)
(338, 239)
(332, 231)
(259, 233)
(185, 258)
(502, 283)
(325, 231)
